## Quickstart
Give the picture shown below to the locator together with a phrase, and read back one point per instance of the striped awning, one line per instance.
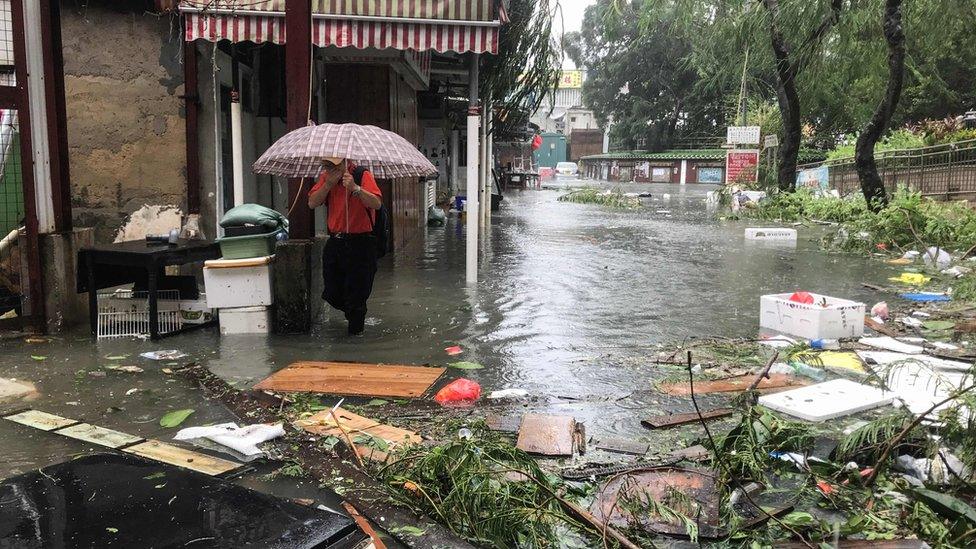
(420, 25)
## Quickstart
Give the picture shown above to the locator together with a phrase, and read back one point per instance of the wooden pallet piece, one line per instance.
(40, 420)
(323, 424)
(101, 436)
(181, 457)
(735, 384)
(353, 379)
(547, 435)
(622, 446)
(503, 424)
(672, 420)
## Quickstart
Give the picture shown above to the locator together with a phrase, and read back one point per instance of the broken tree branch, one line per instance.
(763, 374)
(721, 463)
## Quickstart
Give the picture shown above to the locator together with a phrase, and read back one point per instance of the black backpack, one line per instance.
(381, 218)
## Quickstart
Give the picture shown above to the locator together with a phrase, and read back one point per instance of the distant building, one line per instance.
(676, 166)
(564, 113)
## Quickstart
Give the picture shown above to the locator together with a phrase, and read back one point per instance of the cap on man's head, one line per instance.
(333, 160)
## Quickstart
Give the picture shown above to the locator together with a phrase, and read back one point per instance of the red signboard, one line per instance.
(741, 166)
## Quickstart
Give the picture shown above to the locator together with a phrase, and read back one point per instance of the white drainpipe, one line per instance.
(237, 147)
(471, 209)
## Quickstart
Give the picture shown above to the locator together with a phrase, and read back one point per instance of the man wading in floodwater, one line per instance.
(349, 261)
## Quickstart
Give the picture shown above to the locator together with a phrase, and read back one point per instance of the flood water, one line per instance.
(571, 301)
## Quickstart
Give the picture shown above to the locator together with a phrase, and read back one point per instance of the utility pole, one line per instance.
(743, 91)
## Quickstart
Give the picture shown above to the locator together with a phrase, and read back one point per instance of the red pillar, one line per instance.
(298, 60)
(57, 119)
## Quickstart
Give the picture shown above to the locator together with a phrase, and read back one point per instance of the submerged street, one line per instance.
(572, 301)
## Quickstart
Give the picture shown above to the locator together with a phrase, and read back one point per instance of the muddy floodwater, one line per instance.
(571, 301)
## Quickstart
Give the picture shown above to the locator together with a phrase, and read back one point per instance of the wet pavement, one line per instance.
(572, 300)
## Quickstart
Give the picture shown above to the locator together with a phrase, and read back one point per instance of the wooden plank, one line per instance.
(364, 525)
(622, 446)
(353, 379)
(355, 425)
(736, 384)
(40, 420)
(181, 457)
(99, 435)
(692, 453)
(547, 435)
(671, 420)
(503, 424)
(879, 327)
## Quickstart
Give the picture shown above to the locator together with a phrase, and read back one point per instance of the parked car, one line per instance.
(567, 169)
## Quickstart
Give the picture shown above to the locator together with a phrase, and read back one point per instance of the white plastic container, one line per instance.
(245, 320)
(195, 311)
(778, 234)
(238, 282)
(835, 319)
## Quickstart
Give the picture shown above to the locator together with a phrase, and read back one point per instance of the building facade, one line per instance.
(678, 166)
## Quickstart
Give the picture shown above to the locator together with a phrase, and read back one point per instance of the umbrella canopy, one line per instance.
(300, 152)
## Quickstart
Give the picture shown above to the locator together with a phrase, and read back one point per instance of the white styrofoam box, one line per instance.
(195, 311)
(827, 400)
(891, 344)
(771, 233)
(840, 318)
(238, 282)
(245, 320)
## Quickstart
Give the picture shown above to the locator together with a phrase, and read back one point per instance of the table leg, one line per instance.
(152, 287)
(92, 297)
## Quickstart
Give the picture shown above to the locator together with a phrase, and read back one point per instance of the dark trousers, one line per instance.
(348, 268)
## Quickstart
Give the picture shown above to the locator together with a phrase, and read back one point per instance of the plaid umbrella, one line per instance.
(300, 152)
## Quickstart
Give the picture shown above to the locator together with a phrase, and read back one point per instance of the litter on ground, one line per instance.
(827, 400)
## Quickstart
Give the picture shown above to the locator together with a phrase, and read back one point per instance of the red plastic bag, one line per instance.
(458, 391)
(802, 297)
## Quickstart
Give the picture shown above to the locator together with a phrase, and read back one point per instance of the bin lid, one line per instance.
(238, 263)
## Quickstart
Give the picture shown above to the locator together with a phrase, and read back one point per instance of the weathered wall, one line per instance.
(123, 82)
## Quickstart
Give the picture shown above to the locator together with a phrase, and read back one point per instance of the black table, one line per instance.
(136, 261)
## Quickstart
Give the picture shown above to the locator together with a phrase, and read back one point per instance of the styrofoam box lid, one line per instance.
(254, 309)
(832, 302)
(237, 263)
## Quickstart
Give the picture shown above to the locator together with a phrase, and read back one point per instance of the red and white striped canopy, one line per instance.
(421, 25)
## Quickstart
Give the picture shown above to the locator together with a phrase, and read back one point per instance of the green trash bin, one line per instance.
(243, 247)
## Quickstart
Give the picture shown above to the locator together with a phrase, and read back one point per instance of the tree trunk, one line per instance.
(867, 169)
(788, 99)
(786, 94)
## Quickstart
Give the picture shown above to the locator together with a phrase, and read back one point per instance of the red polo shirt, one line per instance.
(360, 218)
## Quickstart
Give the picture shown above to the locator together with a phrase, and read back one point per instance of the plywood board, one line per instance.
(99, 435)
(735, 384)
(547, 435)
(671, 420)
(324, 424)
(181, 457)
(503, 424)
(40, 420)
(354, 379)
(827, 400)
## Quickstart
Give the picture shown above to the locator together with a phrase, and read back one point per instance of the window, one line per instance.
(572, 119)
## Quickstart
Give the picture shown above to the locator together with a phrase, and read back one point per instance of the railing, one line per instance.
(941, 171)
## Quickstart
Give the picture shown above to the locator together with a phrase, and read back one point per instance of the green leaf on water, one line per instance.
(408, 530)
(376, 443)
(798, 518)
(38, 357)
(376, 402)
(154, 476)
(329, 442)
(111, 530)
(175, 417)
(466, 366)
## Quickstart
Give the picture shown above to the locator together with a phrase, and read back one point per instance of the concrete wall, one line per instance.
(123, 82)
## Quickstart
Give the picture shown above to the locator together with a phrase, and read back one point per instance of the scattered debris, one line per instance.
(508, 393)
(911, 279)
(503, 424)
(827, 400)
(622, 446)
(891, 344)
(466, 365)
(171, 354)
(453, 350)
(371, 438)
(672, 420)
(548, 435)
(243, 440)
(354, 379)
(734, 384)
(925, 297)
(101, 436)
(459, 391)
(126, 369)
(12, 389)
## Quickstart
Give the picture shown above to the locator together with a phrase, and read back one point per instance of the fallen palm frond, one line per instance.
(614, 198)
(485, 490)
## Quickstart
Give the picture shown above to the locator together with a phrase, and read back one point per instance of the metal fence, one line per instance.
(942, 171)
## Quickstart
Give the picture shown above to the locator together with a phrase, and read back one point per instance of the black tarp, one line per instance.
(111, 500)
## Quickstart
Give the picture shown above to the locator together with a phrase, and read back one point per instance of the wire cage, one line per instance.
(125, 313)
